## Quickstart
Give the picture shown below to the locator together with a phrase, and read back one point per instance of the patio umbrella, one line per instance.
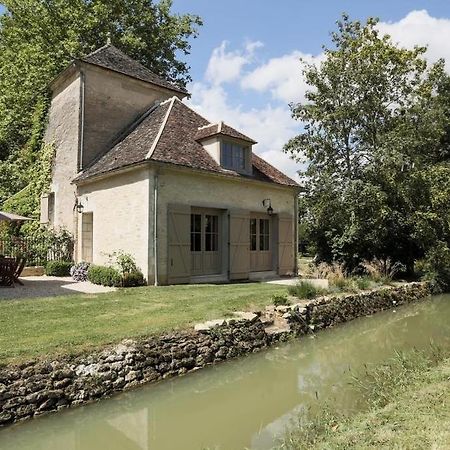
(10, 217)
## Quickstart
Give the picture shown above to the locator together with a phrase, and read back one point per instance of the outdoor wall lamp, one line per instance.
(268, 204)
(79, 207)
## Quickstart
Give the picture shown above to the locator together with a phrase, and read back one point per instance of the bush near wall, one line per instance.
(106, 276)
(58, 268)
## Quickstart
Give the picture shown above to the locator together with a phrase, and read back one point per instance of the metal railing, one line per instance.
(37, 251)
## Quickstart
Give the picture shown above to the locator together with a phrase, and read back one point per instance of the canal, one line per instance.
(245, 403)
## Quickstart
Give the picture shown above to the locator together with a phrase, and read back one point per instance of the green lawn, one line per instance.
(71, 324)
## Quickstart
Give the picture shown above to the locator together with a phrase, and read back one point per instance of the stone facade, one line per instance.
(38, 387)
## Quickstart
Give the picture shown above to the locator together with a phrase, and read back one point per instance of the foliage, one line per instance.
(362, 283)
(436, 267)
(104, 275)
(127, 267)
(383, 270)
(40, 246)
(58, 268)
(133, 279)
(79, 271)
(304, 289)
(280, 300)
(376, 127)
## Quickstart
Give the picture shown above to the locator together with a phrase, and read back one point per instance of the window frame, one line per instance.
(234, 155)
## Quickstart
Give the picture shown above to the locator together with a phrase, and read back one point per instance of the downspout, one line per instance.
(155, 227)
(77, 249)
(296, 232)
(82, 107)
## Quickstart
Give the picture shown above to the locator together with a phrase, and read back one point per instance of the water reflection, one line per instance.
(243, 403)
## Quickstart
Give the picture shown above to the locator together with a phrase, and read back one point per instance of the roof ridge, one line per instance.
(205, 126)
(163, 125)
(103, 47)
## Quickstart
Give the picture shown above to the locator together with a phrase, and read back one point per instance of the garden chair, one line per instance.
(8, 267)
(19, 268)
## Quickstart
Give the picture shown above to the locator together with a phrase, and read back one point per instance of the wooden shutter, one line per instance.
(239, 244)
(286, 262)
(179, 240)
(44, 209)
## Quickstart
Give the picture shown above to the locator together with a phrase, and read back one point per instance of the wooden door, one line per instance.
(178, 227)
(87, 236)
(286, 254)
(261, 252)
(239, 244)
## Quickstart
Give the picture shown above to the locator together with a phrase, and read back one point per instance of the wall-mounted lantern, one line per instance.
(79, 207)
(268, 204)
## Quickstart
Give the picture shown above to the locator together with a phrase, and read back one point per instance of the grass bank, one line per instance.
(407, 407)
(45, 327)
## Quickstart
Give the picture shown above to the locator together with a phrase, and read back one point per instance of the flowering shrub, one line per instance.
(79, 271)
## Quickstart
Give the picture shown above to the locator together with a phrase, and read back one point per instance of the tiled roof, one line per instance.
(223, 129)
(168, 133)
(112, 58)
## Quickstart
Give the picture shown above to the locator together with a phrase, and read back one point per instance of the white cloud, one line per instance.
(281, 76)
(419, 28)
(226, 66)
(280, 79)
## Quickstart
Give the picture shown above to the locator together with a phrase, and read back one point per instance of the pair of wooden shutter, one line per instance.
(179, 256)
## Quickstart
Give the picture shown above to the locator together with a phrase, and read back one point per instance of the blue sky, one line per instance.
(244, 64)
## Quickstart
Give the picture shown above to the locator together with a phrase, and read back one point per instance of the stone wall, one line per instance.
(38, 387)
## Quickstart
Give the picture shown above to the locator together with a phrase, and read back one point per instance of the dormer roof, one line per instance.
(223, 129)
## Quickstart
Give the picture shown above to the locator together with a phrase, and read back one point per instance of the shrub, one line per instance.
(58, 268)
(79, 271)
(382, 270)
(280, 300)
(304, 289)
(132, 279)
(106, 276)
(436, 267)
(362, 283)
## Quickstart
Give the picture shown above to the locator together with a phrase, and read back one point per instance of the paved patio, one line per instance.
(34, 287)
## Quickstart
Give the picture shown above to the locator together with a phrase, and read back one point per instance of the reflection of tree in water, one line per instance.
(240, 401)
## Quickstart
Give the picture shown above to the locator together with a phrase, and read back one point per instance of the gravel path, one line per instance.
(44, 286)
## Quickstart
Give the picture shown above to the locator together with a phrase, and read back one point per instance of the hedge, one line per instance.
(106, 276)
(58, 268)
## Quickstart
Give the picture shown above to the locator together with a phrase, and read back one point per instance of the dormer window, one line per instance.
(234, 156)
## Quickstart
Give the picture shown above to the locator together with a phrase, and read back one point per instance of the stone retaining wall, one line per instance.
(38, 387)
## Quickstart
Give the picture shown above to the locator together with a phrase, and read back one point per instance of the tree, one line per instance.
(39, 38)
(374, 120)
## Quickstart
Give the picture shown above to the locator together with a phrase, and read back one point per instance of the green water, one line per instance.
(244, 403)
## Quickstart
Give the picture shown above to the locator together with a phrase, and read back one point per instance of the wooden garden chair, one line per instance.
(8, 267)
(19, 268)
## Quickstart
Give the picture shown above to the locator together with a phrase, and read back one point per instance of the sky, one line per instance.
(245, 61)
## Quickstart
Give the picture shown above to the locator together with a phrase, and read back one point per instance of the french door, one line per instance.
(260, 243)
(205, 242)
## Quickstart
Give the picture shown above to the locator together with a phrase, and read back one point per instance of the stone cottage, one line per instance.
(139, 171)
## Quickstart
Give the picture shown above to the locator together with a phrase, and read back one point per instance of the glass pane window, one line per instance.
(264, 234)
(233, 156)
(252, 234)
(211, 233)
(196, 233)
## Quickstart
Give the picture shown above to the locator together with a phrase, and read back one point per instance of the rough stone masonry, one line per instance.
(38, 387)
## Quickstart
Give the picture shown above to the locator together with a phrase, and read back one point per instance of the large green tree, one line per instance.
(375, 120)
(38, 39)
